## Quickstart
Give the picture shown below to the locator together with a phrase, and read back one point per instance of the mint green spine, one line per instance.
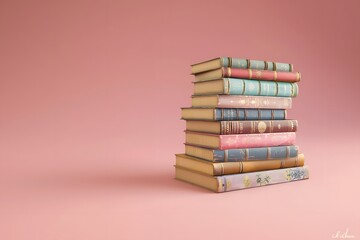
(234, 86)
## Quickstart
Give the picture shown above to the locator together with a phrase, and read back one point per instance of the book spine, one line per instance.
(254, 166)
(258, 179)
(256, 140)
(248, 127)
(233, 114)
(261, 74)
(256, 64)
(233, 86)
(238, 101)
(250, 154)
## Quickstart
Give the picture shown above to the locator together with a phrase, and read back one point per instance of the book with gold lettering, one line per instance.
(232, 114)
(242, 154)
(223, 168)
(239, 101)
(240, 63)
(248, 74)
(242, 127)
(235, 86)
(222, 142)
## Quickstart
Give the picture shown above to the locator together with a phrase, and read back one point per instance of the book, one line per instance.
(248, 74)
(242, 154)
(223, 142)
(239, 181)
(232, 114)
(242, 127)
(235, 86)
(220, 168)
(240, 63)
(239, 101)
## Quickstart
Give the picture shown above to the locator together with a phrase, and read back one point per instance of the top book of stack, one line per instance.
(244, 68)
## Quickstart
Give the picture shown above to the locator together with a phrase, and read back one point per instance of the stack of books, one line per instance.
(237, 133)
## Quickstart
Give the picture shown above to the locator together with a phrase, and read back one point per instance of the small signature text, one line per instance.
(343, 235)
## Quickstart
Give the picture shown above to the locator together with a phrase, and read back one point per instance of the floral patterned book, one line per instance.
(243, 180)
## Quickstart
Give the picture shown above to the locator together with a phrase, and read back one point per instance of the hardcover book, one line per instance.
(240, 63)
(248, 74)
(235, 86)
(223, 142)
(239, 181)
(242, 127)
(216, 169)
(232, 114)
(242, 154)
(238, 101)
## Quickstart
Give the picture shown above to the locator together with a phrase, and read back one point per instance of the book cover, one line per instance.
(223, 142)
(235, 86)
(240, 181)
(239, 101)
(232, 114)
(248, 74)
(242, 154)
(242, 127)
(224, 168)
(240, 63)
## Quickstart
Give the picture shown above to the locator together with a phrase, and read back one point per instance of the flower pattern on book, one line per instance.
(294, 174)
(262, 180)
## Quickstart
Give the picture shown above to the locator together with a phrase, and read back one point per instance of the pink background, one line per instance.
(90, 93)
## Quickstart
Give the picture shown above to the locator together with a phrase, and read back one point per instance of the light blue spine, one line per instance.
(233, 114)
(248, 87)
(265, 153)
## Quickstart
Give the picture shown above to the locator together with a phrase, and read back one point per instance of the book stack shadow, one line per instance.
(237, 132)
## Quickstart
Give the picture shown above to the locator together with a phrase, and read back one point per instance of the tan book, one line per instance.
(216, 169)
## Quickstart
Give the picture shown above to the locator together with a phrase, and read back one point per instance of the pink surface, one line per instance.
(89, 118)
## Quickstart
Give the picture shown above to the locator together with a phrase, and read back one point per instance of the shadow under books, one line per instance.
(116, 180)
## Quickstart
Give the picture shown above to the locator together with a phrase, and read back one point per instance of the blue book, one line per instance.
(232, 114)
(236, 86)
(243, 154)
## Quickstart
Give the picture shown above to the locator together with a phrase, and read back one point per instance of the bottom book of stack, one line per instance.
(228, 176)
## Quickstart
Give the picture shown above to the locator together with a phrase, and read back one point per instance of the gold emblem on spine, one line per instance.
(246, 181)
(228, 184)
(261, 127)
(258, 74)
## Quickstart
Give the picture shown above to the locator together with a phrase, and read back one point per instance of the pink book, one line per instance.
(248, 74)
(223, 142)
(239, 101)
